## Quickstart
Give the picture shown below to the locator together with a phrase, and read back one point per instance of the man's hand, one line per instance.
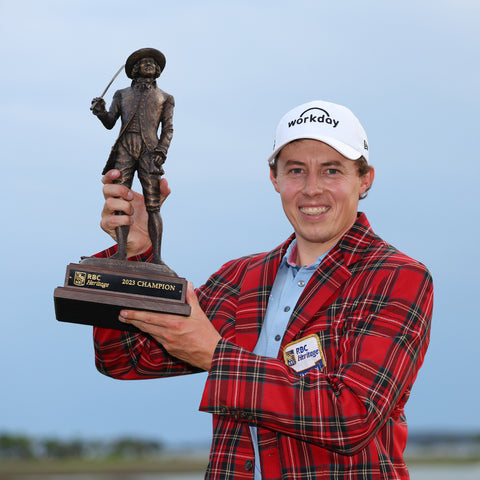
(192, 339)
(98, 106)
(121, 198)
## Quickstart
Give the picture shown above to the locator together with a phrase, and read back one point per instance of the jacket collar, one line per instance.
(333, 271)
(331, 274)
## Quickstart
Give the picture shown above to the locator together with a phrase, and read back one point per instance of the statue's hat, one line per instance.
(158, 56)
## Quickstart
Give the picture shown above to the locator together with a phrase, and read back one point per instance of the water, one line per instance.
(445, 472)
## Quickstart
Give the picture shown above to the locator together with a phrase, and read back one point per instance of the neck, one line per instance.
(308, 250)
(307, 254)
(144, 81)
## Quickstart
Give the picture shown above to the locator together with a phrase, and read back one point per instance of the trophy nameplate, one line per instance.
(96, 289)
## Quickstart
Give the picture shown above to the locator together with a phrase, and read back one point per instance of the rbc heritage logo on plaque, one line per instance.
(79, 279)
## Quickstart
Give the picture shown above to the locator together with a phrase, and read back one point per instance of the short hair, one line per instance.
(363, 168)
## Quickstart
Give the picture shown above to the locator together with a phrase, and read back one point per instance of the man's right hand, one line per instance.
(98, 106)
(120, 198)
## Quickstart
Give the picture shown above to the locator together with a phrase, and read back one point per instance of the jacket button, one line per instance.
(248, 465)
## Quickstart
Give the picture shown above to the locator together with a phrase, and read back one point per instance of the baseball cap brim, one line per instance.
(346, 150)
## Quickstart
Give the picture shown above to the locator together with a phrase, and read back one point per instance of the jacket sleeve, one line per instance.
(134, 356)
(382, 344)
(110, 118)
(126, 355)
(131, 356)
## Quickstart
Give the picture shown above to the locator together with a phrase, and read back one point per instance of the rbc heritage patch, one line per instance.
(305, 354)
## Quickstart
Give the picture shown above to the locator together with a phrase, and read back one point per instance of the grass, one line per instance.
(120, 466)
(167, 464)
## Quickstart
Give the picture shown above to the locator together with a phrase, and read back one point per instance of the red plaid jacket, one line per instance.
(371, 307)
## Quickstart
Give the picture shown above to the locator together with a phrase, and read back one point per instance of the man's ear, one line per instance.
(367, 180)
(273, 179)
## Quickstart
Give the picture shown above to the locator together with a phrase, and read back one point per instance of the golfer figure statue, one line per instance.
(142, 107)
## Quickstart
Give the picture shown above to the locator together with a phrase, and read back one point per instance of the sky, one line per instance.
(409, 71)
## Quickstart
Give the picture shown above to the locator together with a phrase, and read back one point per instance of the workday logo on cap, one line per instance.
(327, 122)
(314, 115)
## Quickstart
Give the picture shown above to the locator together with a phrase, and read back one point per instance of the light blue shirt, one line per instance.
(289, 284)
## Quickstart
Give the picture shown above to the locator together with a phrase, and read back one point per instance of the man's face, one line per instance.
(147, 67)
(320, 189)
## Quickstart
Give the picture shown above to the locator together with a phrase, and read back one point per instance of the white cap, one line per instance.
(328, 122)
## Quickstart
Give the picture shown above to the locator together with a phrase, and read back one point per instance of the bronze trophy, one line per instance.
(96, 289)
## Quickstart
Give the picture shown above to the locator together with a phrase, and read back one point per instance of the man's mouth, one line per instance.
(312, 211)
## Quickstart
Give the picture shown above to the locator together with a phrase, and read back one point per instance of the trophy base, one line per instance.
(96, 289)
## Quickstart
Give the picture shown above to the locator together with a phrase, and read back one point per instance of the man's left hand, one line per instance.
(192, 339)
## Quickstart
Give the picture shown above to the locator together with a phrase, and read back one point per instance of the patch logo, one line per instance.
(290, 358)
(305, 354)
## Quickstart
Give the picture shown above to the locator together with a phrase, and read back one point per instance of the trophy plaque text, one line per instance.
(96, 289)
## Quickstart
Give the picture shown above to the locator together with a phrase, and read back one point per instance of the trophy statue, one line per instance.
(97, 289)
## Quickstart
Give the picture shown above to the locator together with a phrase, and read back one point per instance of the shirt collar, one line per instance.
(142, 83)
(290, 255)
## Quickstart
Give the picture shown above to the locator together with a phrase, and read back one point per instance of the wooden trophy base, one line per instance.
(96, 289)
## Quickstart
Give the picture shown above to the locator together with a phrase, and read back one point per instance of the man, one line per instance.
(312, 349)
(142, 108)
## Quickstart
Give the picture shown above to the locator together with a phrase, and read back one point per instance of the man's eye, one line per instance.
(332, 171)
(296, 171)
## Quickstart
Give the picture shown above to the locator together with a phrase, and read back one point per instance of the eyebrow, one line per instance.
(326, 163)
(334, 163)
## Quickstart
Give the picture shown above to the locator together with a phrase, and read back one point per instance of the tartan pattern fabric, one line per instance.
(371, 308)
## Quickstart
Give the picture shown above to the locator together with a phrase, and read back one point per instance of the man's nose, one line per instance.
(313, 184)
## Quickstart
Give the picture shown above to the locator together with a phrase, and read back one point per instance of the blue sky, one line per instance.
(409, 70)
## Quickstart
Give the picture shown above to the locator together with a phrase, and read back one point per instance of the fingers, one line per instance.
(149, 318)
(111, 189)
(191, 296)
(164, 190)
(159, 319)
(192, 339)
(118, 198)
(110, 176)
(156, 324)
(109, 223)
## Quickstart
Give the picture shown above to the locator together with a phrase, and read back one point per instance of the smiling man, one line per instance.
(320, 189)
(312, 348)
